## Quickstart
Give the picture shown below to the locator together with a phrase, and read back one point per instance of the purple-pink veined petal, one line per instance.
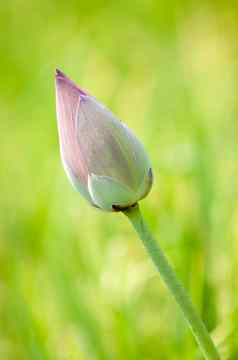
(109, 147)
(68, 99)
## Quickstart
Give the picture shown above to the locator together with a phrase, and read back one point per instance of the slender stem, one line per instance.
(173, 284)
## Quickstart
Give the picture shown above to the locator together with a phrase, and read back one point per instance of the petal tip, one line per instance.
(58, 72)
(60, 76)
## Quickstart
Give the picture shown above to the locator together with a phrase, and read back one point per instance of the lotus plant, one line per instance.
(104, 160)
(109, 166)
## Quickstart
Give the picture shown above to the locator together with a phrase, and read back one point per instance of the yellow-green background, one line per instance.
(75, 283)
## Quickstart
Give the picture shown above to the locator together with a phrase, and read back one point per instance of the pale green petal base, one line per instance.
(106, 192)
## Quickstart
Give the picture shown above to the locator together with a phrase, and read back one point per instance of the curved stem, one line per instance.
(173, 284)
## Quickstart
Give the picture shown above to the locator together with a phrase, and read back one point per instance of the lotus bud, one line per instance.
(103, 159)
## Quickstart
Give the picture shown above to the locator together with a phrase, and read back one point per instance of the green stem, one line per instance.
(174, 285)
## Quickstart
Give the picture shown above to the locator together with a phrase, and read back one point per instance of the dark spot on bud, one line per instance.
(122, 208)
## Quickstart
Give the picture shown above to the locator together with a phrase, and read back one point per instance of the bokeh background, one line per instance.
(75, 283)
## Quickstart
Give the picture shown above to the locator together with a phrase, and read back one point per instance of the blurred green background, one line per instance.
(75, 283)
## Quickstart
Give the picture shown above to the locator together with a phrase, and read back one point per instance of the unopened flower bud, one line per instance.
(102, 157)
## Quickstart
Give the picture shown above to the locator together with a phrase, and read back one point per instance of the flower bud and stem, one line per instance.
(108, 165)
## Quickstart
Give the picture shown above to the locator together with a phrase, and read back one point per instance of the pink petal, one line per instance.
(68, 99)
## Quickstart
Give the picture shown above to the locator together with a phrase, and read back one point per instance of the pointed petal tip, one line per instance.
(59, 75)
(57, 72)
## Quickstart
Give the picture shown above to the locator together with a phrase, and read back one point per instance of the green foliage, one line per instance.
(76, 283)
